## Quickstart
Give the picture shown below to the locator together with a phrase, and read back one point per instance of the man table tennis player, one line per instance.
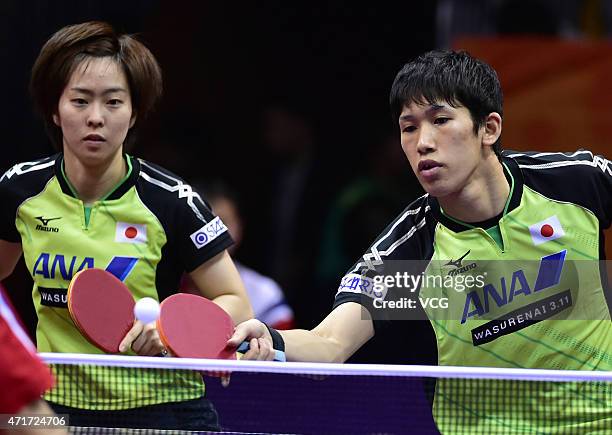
(530, 223)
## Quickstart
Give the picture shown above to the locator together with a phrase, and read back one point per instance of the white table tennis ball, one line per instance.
(146, 310)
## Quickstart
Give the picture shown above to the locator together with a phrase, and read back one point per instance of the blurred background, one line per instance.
(286, 105)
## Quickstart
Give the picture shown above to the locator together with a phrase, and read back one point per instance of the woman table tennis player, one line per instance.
(93, 205)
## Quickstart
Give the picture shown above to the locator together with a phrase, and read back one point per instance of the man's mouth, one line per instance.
(426, 165)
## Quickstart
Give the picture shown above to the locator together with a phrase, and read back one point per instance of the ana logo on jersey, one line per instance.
(478, 303)
(63, 267)
(59, 266)
(546, 230)
(130, 233)
(44, 222)
(458, 264)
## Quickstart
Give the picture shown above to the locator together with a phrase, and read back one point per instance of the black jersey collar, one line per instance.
(118, 192)
(515, 200)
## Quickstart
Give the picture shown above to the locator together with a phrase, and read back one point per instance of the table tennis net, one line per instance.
(271, 397)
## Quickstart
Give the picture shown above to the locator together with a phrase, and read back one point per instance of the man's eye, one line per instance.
(79, 101)
(441, 120)
(409, 129)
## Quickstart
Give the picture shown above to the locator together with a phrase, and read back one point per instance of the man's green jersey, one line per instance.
(525, 289)
(147, 231)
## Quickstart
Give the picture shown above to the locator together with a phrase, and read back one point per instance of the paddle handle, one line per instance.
(279, 355)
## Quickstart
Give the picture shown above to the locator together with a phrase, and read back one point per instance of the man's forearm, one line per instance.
(303, 345)
(335, 339)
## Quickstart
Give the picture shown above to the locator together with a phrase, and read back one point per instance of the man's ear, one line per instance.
(492, 128)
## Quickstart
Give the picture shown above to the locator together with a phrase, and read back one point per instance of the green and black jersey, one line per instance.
(524, 289)
(147, 232)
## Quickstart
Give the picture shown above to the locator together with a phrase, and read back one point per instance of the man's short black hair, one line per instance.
(451, 76)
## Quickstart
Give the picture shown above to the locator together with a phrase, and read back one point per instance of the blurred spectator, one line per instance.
(359, 213)
(264, 293)
(562, 18)
(289, 195)
(289, 137)
(364, 206)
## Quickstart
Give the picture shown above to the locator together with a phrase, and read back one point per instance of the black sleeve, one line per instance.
(406, 245)
(194, 233)
(8, 211)
(200, 234)
(580, 178)
(19, 183)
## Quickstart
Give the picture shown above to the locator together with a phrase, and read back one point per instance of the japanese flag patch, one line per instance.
(546, 230)
(130, 233)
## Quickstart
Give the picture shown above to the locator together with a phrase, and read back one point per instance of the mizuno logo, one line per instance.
(458, 264)
(459, 267)
(47, 220)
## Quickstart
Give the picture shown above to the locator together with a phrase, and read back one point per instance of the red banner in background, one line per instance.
(557, 93)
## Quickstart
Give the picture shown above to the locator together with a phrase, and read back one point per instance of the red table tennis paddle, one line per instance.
(192, 326)
(102, 308)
